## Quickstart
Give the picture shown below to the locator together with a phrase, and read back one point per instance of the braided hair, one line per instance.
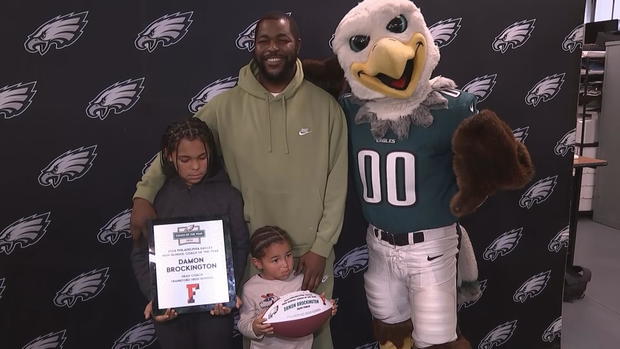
(190, 129)
(266, 236)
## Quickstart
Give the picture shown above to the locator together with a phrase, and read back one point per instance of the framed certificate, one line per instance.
(191, 264)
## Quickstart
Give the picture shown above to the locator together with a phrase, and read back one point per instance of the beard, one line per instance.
(279, 75)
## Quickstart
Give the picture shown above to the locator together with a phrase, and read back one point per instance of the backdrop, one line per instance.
(87, 88)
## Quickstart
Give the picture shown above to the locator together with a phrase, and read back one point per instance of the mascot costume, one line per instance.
(422, 155)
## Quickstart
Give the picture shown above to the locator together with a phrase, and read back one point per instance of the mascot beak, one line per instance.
(393, 68)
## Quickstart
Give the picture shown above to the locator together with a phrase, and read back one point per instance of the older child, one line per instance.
(195, 186)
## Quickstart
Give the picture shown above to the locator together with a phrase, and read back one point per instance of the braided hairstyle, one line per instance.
(265, 237)
(190, 129)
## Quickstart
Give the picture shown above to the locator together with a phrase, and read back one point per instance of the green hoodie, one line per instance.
(287, 155)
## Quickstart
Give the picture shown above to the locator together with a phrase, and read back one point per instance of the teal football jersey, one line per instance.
(406, 185)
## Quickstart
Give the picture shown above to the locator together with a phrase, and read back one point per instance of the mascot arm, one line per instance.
(487, 158)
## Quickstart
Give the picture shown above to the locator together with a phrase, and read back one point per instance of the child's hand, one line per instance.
(222, 310)
(333, 302)
(259, 326)
(168, 315)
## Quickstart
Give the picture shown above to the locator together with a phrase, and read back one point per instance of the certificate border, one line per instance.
(229, 262)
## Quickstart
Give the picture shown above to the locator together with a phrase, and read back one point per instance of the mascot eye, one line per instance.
(397, 25)
(359, 42)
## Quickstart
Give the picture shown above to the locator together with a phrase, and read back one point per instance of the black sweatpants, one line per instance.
(196, 331)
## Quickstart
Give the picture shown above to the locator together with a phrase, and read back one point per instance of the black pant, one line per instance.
(196, 330)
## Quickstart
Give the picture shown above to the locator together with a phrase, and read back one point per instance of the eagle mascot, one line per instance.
(422, 156)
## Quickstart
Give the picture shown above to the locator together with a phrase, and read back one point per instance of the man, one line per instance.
(284, 145)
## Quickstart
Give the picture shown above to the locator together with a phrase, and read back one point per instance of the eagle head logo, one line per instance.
(559, 240)
(503, 244)
(545, 90)
(499, 335)
(481, 87)
(553, 331)
(117, 98)
(115, 228)
(213, 89)
(444, 32)
(521, 133)
(71, 165)
(2, 287)
(514, 36)
(24, 232)
(148, 163)
(483, 286)
(138, 336)
(54, 340)
(166, 30)
(354, 261)
(83, 287)
(574, 39)
(566, 143)
(538, 192)
(60, 32)
(532, 287)
(15, 99)
(245, 39)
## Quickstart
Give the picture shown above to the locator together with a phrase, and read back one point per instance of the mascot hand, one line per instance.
(487, 158)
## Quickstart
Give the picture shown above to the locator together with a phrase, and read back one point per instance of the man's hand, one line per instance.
(313, 267)
(168, 315)
(141, 212)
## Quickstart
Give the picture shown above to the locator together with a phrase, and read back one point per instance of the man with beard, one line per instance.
(284, 145)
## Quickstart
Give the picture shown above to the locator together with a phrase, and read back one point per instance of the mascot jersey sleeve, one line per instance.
(406, 184)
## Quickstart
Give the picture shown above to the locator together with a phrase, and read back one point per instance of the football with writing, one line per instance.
(298, 314)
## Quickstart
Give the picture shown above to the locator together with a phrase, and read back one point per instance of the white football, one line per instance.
(298, 314)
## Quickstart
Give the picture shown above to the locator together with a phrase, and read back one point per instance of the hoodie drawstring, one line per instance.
(285, 125)
(268, 140)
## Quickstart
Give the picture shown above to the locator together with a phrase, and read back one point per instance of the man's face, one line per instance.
(276, 50)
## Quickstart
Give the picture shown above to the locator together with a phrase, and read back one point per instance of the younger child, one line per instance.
(195, 186)
(272, 254)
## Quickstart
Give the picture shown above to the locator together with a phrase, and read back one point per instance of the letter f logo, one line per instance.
(191, 293)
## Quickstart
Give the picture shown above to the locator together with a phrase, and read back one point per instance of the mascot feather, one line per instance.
(422, 157)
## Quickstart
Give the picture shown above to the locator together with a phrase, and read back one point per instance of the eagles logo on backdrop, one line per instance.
(82, 288)
(139, 336)
(521, 133)
(71, 165)
(148, 163)
(481, 87)
(514, 36)
(559, 240)
(545, 90)
(574, 40)
(532, 287)
(2, 286)
(503, 244)
(59, 32)
(24, 232)
(15, 99)
(117, 98)
(539, 192)
(164, 31)
(116, 228)
(50, 340)
(553, 331)
(566, 143)
(353, 261)
(245, 39)
(213, 89)
(444, 32)
(499, 335)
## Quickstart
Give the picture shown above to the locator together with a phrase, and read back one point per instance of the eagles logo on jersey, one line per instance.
(24, 232)
(53, 340)
(574, 39)
(514, 36)
(521, 133)
(499, 335)
(15, 99)
(165, 31)
(60, 32)
(545, 90)
(481, 87)
(70, 165)
(444, 32)
(354, 261)
(559, 240)
(553, 331)
(83, 287)
(117, 98)
(503, 244)
(532, 287)
(139, 336)
(115, 228)
(566, 143)
(539, 192)
(213, 89)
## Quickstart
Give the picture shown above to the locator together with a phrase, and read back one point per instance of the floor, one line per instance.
(594, 321)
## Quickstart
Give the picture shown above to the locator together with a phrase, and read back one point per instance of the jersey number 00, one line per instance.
(370, 174)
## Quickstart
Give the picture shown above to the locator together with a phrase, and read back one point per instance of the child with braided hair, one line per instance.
(195, 186)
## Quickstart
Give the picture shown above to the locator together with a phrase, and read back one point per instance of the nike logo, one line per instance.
(304, 131)
(429, 258)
